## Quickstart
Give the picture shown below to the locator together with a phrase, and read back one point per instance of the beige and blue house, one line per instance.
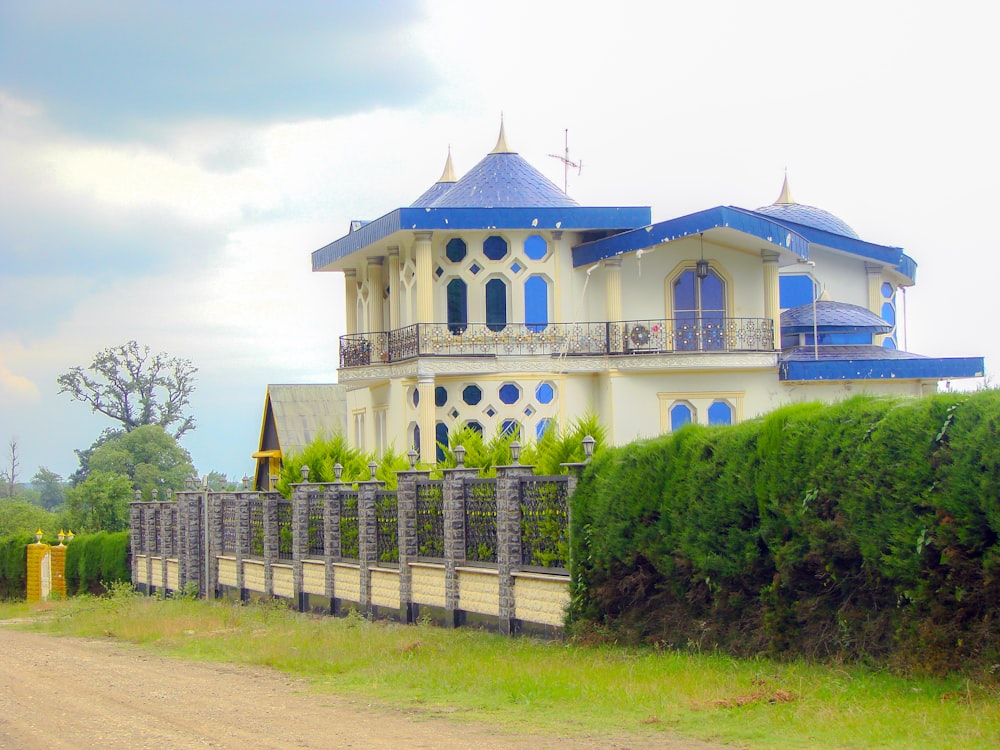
(498, 302)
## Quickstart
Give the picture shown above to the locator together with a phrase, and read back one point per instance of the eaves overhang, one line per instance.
(796, 238)
(568, 218)
(923, 368)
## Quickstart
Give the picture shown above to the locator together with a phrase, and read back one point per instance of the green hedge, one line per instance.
(91, 561)
(97, 559)
(14, 566)
(869, 529)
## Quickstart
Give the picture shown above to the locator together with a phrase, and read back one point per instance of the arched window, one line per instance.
(681, 414)
(496, 304)
(720, 412)
(536, 303)
(699, 311)
(458, 306)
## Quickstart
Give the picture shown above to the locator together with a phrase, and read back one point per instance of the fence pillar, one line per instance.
(166, 518)
(367, 539)
(192, 555)
(242, 539)
(300, 538)
(508, 538)
(331, 536)
(213, 512)
(152, 543)
(406, 509)
(453, 508)
(269, 508)
(135, 537)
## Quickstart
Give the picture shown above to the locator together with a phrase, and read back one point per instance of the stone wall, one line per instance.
(325, 551)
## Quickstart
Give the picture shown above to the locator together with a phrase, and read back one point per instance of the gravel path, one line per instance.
(73, 693)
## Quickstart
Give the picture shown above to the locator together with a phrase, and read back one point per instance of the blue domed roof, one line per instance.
(832, 317)
(787, 210)
(809, 216)
(432, 193)
(503, 180)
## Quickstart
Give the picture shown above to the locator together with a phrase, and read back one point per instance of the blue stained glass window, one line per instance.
(509, 393)
(495, 247)
(416, 438)
(535, 247)
(510, 427)
(472, 395)
(541, 427)
(536, 303)
(680, 415)
(887, 290)
(440, 396)
(720, 413)
(474, 425)
(516, 268)
(455, 250)
(458, 306)
(889, 314)
(475, 269)
(416, 397)
(441, 437)
(496, 304)
(795, 290)
(544, 393)
(700, 310)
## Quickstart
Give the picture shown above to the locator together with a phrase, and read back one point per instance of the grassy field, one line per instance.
(556, 687)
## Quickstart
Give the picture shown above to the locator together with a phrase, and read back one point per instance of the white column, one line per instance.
(613, 286)
(425, 278)
(772, 300)
(394, 288)
(874, 271)
(351, 299)
(425, 418)
(375, 287)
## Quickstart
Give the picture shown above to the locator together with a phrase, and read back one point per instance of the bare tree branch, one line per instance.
(134, 387)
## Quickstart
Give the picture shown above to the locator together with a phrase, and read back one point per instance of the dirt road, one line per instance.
(73, 693)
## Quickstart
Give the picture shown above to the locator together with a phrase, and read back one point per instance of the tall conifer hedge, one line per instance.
(869, 529)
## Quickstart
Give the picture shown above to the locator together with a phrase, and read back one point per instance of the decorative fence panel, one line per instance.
(499, 547)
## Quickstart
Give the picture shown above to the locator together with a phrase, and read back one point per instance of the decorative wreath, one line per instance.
(639, 335)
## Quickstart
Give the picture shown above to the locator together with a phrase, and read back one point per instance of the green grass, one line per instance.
(551, 687)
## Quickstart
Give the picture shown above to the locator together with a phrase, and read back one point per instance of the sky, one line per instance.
(167, 168)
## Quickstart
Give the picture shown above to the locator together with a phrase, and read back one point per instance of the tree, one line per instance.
(51, 490)
(100, 503)
(148, 456)
(9, 476)
(135, 387)
(22, 517)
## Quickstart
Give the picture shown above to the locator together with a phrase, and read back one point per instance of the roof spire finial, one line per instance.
(448, 175)
(786, 193)
(502, 147)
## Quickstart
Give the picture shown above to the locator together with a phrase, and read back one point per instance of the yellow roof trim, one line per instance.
(266, 454)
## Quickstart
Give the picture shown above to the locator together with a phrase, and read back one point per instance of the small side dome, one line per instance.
(786, 209)
(832, 317)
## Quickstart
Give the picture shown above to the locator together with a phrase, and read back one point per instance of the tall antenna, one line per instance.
(564, 158)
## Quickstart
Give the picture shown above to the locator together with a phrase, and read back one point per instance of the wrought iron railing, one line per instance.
(349, 526)
(285, 548)
(480, 520)
(430, 519)
(256, 507)
(704, 333)
(228, 509)
(386, 528)
(317, 537)
(544, 522)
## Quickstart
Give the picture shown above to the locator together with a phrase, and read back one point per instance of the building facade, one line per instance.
(496, 301)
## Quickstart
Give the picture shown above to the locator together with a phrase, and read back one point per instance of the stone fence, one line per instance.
(456, 550)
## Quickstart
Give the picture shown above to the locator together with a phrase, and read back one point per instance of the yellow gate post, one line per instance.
(59, 565)
(39, 569)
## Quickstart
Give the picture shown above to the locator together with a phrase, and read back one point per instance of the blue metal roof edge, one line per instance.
(928, 368)
(426, 218)
(889, 254)
(729, 217)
